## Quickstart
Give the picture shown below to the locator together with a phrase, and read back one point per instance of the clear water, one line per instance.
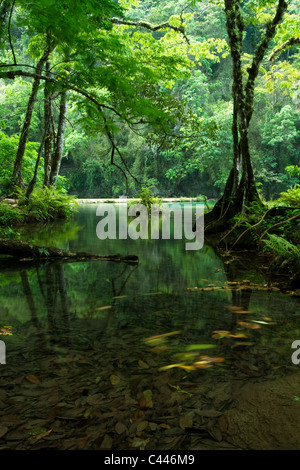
(96, 316)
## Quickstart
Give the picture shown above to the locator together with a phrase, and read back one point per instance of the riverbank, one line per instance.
(124, 199)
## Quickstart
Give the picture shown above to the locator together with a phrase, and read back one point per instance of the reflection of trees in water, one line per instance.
(269, 356)
(53, 287)
(54, 294)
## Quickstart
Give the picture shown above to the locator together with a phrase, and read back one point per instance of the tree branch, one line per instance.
(289, 43)
(270, 29)
(278, 225)
(9, 33)
(151, 27)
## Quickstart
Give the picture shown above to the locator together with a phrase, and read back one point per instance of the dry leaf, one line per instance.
(186, 421)
(43, 434)
(114, 379)
(3, 430)
(33, 379)
(252, 326)
(143, 365)
(120, 428)
(141, 426)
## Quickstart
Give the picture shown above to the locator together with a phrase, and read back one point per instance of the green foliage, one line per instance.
(8, 148)
(291, 197)
(167, 103)
(47, 204)
(147, 198)
(10, 215)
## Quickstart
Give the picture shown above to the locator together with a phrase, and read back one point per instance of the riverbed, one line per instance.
(184, 350)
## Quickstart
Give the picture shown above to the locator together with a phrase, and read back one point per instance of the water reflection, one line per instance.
(75, 325)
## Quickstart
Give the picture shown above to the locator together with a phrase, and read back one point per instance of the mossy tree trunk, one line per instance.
(240, 189)
(48, 127)
(59, 147)
(17, 171)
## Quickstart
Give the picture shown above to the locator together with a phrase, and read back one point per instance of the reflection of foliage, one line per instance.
(58, 233)
(188, 358)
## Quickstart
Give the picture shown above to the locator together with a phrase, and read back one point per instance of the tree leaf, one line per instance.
(33, 379)
(199, 346)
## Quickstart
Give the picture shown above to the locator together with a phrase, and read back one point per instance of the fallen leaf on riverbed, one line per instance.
(33, 379)
(241, 343)
(226, 334)
(143, 364)
(42, 435)
(162, 335)
(114, 379)
(186, 421)
(249, 325)
(146, 400)
(192, 347)
(212, 359)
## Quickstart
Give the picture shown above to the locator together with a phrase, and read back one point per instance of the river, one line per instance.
(184, 350)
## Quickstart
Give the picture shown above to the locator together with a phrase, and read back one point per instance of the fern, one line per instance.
(281, 247)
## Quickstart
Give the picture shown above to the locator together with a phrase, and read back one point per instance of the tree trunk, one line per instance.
(240, 189)
(21, 250)
(36, 168)
(49, 134)
(17, 172)
(59, 148)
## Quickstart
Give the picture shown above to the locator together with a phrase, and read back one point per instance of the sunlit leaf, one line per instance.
(170, 366)
(263, 322)
(6, 330)
(192, 347)
(211, 359)
(239, 335)
(221, 334)
(248, 325)
(202, 364)
(188, 368)
(162, 335)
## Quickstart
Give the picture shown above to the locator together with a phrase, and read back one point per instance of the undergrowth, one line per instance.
(44, 205)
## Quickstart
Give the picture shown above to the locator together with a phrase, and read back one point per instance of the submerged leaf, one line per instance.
(170, 366)
(162, 335)
(248, 325)
(199, 346)
(211, 359)
(114, 379)
(147, 395)
(33, 379)
(241, 343)
(202, 364)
